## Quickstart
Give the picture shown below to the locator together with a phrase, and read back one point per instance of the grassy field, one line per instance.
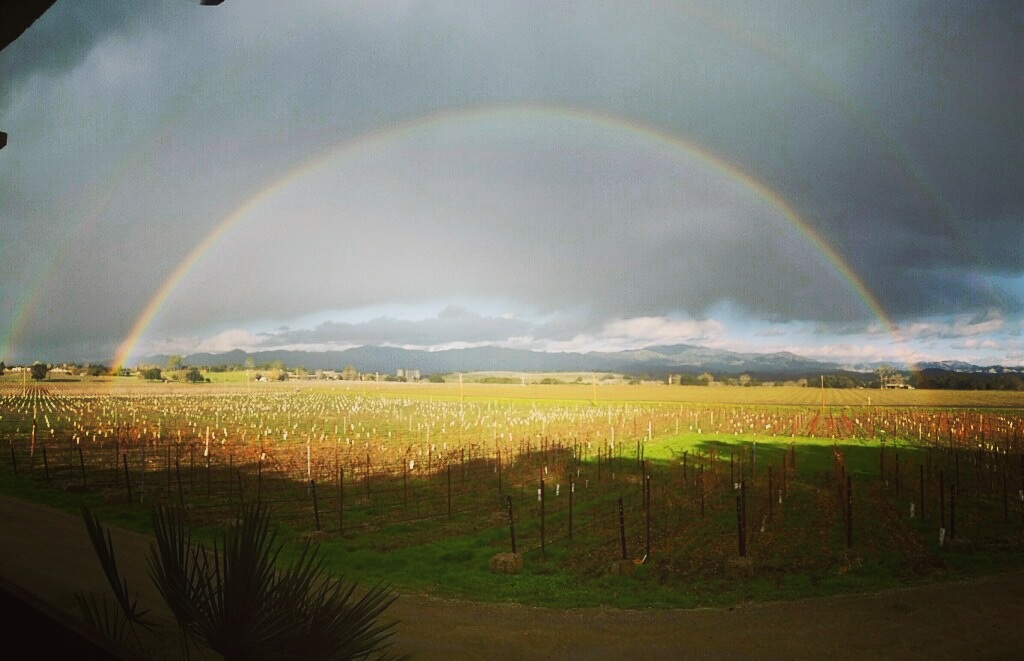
(634, 496)
(603, 393)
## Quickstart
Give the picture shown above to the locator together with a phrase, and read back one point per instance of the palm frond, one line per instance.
(103, 544)
(174, 565)
(234, 600)
(109, 619)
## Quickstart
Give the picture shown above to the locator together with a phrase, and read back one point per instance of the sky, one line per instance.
(841, 180)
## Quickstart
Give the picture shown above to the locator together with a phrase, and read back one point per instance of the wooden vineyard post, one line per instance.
(81, 465)
(942, 501)
(647, 516)
(701, 478)
(405, 484)
(259, 479)
(341, 499)
(956, 482)
(14, 459)
(920, 500)
(241, 487)
(1006, 505)
(739, 527)
(46, 464)
(142, 485)
(231, 490)
(897, 474)
(316, 508)
(743, 501)
(541, 494)
(511, 524)
(952, 512)
(849, 512)
(177, 472)
(622, 528)
(449, 492)
(127, 478)
(784, 471)
(771, 491)
(572, 490)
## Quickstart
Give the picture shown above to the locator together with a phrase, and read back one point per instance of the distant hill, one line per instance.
(662, 359)
(649, 360)
(967, 368)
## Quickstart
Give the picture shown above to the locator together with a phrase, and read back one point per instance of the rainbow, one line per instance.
(662, 140)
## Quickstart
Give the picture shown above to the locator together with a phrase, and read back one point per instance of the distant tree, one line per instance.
(436, 378)
(174, 363)
(39, 371)
(839, 381)
(745, 379)
(250, 363)
(705, 378)
(3, 367)
(151, 373)
(193, 375)
(885, 373)
(1008, 382)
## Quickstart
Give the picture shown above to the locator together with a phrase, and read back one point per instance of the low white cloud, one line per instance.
(642, 331)
(232, 339)
(962, 325)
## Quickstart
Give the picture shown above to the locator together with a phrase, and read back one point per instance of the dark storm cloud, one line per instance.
(930, 195)
(892, 129)
(61, 38)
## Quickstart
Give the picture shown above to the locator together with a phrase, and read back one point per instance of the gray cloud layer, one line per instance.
(893, 130)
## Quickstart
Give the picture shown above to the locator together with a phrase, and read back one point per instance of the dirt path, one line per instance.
(47, 552)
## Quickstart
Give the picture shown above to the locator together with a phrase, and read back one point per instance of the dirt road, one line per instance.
(47, 553)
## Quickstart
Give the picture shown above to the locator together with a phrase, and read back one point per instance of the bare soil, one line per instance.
(47, 553)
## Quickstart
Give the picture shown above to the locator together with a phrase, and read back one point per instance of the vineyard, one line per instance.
(685, 503)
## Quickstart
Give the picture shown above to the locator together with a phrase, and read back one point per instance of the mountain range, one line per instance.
(676, 358)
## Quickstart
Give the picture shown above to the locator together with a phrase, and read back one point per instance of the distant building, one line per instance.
(408, 375)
